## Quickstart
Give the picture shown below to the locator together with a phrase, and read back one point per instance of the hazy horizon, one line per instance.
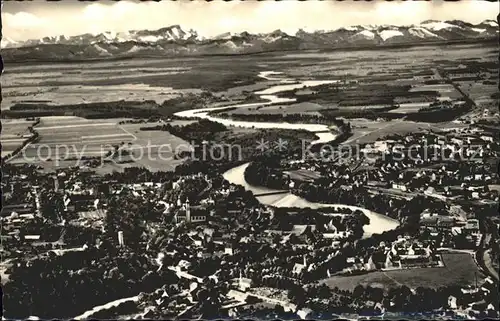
(38, 19)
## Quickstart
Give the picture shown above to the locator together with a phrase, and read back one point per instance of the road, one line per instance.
(22, 150)
(483, 254)
(6, 264)
(456, 86)
(234, 294)
(128, 132)
(185, 275)
(134, 298)
(74, 249)
(237, 295)
(3, 268)
(206, 189)
(242, 296)
(106, 306)
(489, 264)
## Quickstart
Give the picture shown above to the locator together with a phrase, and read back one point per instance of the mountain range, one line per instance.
(174, 40)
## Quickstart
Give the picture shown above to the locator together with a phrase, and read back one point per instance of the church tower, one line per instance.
(188, 211)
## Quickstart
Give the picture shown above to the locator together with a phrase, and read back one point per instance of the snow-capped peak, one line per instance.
(225, 35)
(350, 28)
(422, 32)
(350, 35)
(274, 36)
(122, 36)
(231, 35)
(386, 34)
(100, 50)
(366, 34)
(370, 27)
(110, 35)
(429, 21)
(478, 30)
(174, 32)
(8, 42)
(490, 22)
(278, 33)
(437, 25)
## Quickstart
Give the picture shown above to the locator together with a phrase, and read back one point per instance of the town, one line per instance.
(219, 251)
(181, 160)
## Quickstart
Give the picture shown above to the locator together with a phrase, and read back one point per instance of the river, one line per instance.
(378, 223)
(321, 131)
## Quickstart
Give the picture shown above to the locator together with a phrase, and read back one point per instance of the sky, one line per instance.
(37, 18)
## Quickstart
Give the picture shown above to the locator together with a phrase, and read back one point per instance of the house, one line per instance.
(24, 208)
(469, 290)
(183, 265)
(298, 268)
(305, 313)
(299, 230)
(237, 295)
(204, 255)
(379, 308)
(400, 187)
(79, 201)
(229, 250)
(437, 221)
(244, 283)
(198, 241)
(208, 231)
(457, 141)
(383, 146)
(452, 302)
(489, 280)
(455, 230)
(472, 224)
(487, 138)
(32, 237)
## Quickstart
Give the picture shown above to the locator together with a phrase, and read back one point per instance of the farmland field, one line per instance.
(156, 147)
(80, 136)
(13, 131)
(367, 131)
(162, 79)
(459, 269)
(63, 140)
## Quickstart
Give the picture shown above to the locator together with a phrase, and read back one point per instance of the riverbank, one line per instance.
(378, 223)
(270, 96)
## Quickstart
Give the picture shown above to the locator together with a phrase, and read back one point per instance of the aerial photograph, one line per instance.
(250, 160)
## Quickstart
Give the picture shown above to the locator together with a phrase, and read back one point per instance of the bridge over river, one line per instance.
(271, 193)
